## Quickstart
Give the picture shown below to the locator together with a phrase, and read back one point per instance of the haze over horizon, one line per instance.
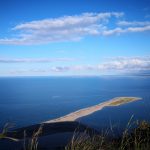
(66, 38)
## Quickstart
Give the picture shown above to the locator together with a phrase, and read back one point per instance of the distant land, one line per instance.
(89, 110)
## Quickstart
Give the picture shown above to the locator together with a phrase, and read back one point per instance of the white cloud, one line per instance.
(118, 30)
(127, 64)
(134, 23)
(116, 64)
(35, 60)
(72, 28)
(83, 20)
(59, 69)
(67, 28)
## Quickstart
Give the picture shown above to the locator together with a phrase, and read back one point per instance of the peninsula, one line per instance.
(89, 110)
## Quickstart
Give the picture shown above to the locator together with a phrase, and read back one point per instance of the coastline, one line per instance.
(64, 126)
(89, 110)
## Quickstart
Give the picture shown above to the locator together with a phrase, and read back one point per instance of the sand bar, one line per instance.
(89, 110)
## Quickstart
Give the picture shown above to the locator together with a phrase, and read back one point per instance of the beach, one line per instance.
(89, 110)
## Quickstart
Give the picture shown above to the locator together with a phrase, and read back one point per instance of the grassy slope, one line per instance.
(138, 139)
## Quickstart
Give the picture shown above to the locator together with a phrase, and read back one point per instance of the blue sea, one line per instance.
(29, 100)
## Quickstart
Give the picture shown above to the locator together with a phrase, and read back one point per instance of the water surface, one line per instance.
(29, 100)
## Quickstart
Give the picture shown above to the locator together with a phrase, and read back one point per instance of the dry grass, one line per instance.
(28, 144)
(3, 134)
(32, 144)
(83, 141)
(138, 139)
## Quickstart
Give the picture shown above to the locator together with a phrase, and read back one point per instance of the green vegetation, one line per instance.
(3, 134)
(123, 100)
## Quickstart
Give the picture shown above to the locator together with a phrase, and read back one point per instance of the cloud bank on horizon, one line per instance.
(73, 28)
(117, 64)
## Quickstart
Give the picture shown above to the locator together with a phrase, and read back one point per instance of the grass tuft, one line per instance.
(137, 139)
(32, 143)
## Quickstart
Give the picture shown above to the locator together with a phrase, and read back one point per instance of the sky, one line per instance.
(74, 37)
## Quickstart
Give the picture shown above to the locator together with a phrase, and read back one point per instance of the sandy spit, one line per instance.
(89, 110)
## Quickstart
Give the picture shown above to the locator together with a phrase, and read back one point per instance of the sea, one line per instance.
(26, 101)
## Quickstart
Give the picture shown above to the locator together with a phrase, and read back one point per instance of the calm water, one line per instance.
(30, 100)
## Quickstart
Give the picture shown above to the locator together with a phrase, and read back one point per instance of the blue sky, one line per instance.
(74, 37)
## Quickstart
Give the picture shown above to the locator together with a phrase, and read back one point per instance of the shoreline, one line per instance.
(89, 110)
